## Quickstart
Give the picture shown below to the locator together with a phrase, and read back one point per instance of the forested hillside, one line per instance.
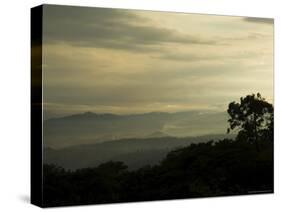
(243, 165)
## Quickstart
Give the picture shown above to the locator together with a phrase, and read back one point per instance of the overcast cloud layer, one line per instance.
(127, 61)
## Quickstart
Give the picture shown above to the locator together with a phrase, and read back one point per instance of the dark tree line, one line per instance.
(226, 167)
(253, 116)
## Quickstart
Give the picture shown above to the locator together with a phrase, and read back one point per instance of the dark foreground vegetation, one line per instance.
(226, 167)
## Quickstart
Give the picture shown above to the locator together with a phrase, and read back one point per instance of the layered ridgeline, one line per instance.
(92, 128)
(134, 152)
(89, 139)
(167, 167)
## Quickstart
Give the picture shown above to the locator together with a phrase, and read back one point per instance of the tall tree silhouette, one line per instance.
(253, 116)
(214, 168)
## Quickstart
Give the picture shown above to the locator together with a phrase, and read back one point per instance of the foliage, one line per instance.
(253, 117)
(225, 167)
(209, 169)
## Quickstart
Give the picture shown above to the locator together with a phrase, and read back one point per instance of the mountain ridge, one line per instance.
(135, 152)
(92, 128)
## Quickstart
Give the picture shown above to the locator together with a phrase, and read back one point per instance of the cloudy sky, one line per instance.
(128, 61)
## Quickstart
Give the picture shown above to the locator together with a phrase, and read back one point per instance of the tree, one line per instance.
(253, 117)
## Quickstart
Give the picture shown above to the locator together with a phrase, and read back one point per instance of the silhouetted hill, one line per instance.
(159, 168)
(226, 167)
(91, 128)
(135, 152)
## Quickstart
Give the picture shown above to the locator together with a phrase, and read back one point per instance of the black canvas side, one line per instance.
(36, 105)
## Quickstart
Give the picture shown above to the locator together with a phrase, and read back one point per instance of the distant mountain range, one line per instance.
(135, 152)
(93, 128)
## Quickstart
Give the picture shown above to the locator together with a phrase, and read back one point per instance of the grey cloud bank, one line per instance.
(126, 61)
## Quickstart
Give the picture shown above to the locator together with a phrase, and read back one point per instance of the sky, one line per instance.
(132, 61)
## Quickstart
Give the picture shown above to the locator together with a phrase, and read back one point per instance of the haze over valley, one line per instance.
(91, 128)
(143, 76)
(88, 139)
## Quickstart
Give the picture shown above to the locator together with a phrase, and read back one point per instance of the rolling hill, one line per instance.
(92, 128)
(134, 152)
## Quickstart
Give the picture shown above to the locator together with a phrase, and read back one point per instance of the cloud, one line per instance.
(166, 63)
(186, 57)
(110, 28)
(209, 57)
(259, 20)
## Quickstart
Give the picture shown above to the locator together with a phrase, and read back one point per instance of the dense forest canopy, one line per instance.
(243, 165)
